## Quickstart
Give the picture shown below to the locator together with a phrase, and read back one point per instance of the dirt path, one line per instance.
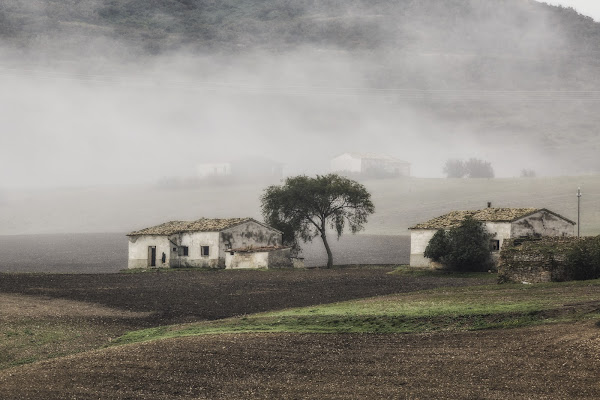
(545, 362)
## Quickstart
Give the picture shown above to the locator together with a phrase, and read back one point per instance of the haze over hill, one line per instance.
(104, 92)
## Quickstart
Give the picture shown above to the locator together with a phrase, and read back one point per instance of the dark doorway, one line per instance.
(152, 256)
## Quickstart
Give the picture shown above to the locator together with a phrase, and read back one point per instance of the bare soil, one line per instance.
(544, 362)
(185, 296)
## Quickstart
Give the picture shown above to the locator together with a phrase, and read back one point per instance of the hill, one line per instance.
(399, 203)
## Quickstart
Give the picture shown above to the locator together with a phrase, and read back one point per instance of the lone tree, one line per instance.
(472, 168)
(305, 207)
(455, 168)
(465, 247)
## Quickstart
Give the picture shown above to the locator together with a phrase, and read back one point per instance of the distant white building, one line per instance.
(246, 167)
(368, 164)
(213, 169)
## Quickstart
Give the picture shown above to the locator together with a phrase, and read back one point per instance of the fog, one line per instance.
(92, 109)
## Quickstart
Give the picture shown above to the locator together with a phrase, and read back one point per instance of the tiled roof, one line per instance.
(454, 218)
(200, 225)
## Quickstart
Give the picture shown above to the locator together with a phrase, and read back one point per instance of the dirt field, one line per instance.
(548, 362)
(185, 296)
(61, 314)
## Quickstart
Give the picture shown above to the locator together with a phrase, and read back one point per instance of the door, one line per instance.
(152, 256)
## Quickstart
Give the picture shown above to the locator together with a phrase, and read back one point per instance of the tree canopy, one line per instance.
(305, 207)
(472, 168)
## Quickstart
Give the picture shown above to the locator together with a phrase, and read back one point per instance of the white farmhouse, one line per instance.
(200, 243)
(207, 170)
(504, 222)
(369, 164)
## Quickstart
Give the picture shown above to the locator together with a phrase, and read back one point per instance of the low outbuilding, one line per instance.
(505, 223)
(200, 243)
(259, 257)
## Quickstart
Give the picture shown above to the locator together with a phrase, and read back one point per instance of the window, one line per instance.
(183, 251)
(494, 245)
(204, 251)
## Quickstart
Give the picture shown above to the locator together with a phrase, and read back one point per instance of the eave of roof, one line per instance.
(200, 225)
(454, 218)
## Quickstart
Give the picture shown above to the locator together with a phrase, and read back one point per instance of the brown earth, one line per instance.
(544, 362)
(185, 296)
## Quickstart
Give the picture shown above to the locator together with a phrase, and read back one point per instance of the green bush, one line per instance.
(438, 246)
(465, 247)
(583, 259)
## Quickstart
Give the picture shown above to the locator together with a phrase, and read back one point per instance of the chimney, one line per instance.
(489, 204)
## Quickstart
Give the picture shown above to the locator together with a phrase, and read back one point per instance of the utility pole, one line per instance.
(578, 208)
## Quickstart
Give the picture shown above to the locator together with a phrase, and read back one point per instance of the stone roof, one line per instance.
(454, 218)
(200, 225)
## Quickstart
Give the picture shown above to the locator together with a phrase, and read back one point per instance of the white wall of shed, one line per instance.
(138, 250)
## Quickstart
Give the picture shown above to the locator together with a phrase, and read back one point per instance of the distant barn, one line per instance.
(201, 243)
(369, 165)
(505, 223)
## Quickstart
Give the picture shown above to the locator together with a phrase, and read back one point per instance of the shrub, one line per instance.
(437, 246)
(583, 259)
(465, 247)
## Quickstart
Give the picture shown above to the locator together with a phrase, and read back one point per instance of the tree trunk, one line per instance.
(329, 254)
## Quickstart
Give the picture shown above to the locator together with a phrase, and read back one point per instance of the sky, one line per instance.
(591, 8)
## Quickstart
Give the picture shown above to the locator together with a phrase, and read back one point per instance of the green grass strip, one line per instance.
(446, 309)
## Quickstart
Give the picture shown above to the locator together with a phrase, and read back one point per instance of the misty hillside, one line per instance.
(470, 42)
(515, 82)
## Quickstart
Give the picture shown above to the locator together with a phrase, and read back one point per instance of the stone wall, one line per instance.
(535, 260)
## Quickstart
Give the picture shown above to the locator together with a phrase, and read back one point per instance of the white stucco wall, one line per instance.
(194, 240)
(247, 260)
(419, 239)
(501, 229)
(138, 251)
(346, 163)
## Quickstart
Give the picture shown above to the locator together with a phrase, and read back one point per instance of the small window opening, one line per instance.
(204, 251)
(183, 251)
(494, 245)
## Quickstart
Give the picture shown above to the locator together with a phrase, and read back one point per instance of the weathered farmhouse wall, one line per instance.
(271, 258)
(239, 260)
(248, 234)
(419, 239)
(139, 251)
(533, 261)
(542, 223)
(194, 242)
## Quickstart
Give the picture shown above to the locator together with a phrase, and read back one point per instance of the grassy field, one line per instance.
(443, 309)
